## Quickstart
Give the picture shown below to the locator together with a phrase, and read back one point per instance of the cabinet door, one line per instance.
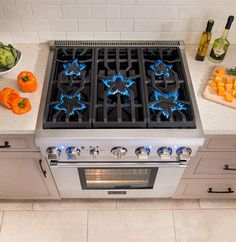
(212, 165)
(25, 175)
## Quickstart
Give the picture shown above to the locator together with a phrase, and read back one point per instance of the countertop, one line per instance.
(34, 59)
(216, 118)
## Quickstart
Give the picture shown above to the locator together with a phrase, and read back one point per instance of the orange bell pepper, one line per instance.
(27, 81)
(21, 105)
(7, 95)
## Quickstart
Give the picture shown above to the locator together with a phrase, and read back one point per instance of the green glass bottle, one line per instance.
(204, 41)
(221, 45)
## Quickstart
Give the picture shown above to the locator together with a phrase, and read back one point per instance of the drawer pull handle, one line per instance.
(229, 190)
(227, 168)
(41, 167)
(6, 145)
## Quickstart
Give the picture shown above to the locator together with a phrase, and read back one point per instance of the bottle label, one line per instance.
(219, 51)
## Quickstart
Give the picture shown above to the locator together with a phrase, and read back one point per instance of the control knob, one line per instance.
(164, 152)
(142, 152)
(119, 152)
(53, 153)
(184, 153)
(94, 152)
(73, 152)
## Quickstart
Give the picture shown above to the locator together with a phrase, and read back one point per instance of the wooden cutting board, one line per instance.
(211, 94)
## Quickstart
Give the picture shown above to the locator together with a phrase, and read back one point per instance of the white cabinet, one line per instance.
(24, 174)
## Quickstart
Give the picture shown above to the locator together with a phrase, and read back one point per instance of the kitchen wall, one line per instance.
(27, 21)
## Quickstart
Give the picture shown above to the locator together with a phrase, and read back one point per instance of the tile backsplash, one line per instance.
(32, 21)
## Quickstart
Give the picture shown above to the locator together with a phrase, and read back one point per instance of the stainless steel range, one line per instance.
(118, 119)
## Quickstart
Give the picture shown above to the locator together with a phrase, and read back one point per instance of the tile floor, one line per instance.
(158, 220)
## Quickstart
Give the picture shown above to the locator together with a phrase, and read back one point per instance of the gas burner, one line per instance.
(161, 69)
(167, 103)
(118, 84)
(70, 103)
(73, 68)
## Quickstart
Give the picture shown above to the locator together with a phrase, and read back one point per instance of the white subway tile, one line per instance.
(161, 35)
(105, 11)
(134, 12)
(106, 35)
(5, 37)
(133, 36)
(91, 25)
(199, 12)
(164, 12)
(35, 25)
(154, 25)
(68, 1)
(121, 2)
(11, 11)
(47, 36)
(57, 25)
(121, 25)
(53, 1)
(47, 11)
(24, 2)
(10, 25)
(91, 2)
(191, 25)
(188, 37)
(8, 2)
(151, 2)
(79, 35)
(76, 11)
(25, 37)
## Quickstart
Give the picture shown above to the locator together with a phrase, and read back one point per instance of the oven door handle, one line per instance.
(112, 164)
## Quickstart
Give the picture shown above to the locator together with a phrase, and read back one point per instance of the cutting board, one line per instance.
(211, 94)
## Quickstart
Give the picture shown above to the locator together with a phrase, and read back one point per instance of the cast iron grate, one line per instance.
(118, 87)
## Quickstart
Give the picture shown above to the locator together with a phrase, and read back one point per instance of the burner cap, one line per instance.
(73, 68)
(118, 84)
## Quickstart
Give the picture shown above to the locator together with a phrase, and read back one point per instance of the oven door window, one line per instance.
(117, 178)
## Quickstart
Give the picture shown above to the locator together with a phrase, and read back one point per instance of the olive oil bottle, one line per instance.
(204, 41)
(221, 45)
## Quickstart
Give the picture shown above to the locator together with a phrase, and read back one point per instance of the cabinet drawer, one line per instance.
(206, 188)
(17, 143)
(212, 165)
(222, 142)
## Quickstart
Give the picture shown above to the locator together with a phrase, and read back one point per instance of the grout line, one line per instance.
(87, 223)
(3, 212)
(174, 224)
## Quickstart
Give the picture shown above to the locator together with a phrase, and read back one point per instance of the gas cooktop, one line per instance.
(118, 85)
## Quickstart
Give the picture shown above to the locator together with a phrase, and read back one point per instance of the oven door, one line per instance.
(116, 180)
(108, 178)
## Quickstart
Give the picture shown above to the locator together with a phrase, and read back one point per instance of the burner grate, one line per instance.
(119, 100)
(168, 99)
(69, 94)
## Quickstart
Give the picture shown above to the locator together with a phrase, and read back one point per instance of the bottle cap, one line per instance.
(229, 22)
(209, 26)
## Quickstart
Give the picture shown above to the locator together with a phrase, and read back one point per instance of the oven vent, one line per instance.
(161, 43)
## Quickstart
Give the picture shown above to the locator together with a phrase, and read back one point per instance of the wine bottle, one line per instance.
(204, 41)
(221, 45)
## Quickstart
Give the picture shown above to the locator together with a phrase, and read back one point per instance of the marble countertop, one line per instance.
(216, 118)
(34, 59)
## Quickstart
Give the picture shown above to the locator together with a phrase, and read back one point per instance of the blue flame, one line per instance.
(161, 69)
(66, 103)
(118, 84)
(73, 68)
(167, 103)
